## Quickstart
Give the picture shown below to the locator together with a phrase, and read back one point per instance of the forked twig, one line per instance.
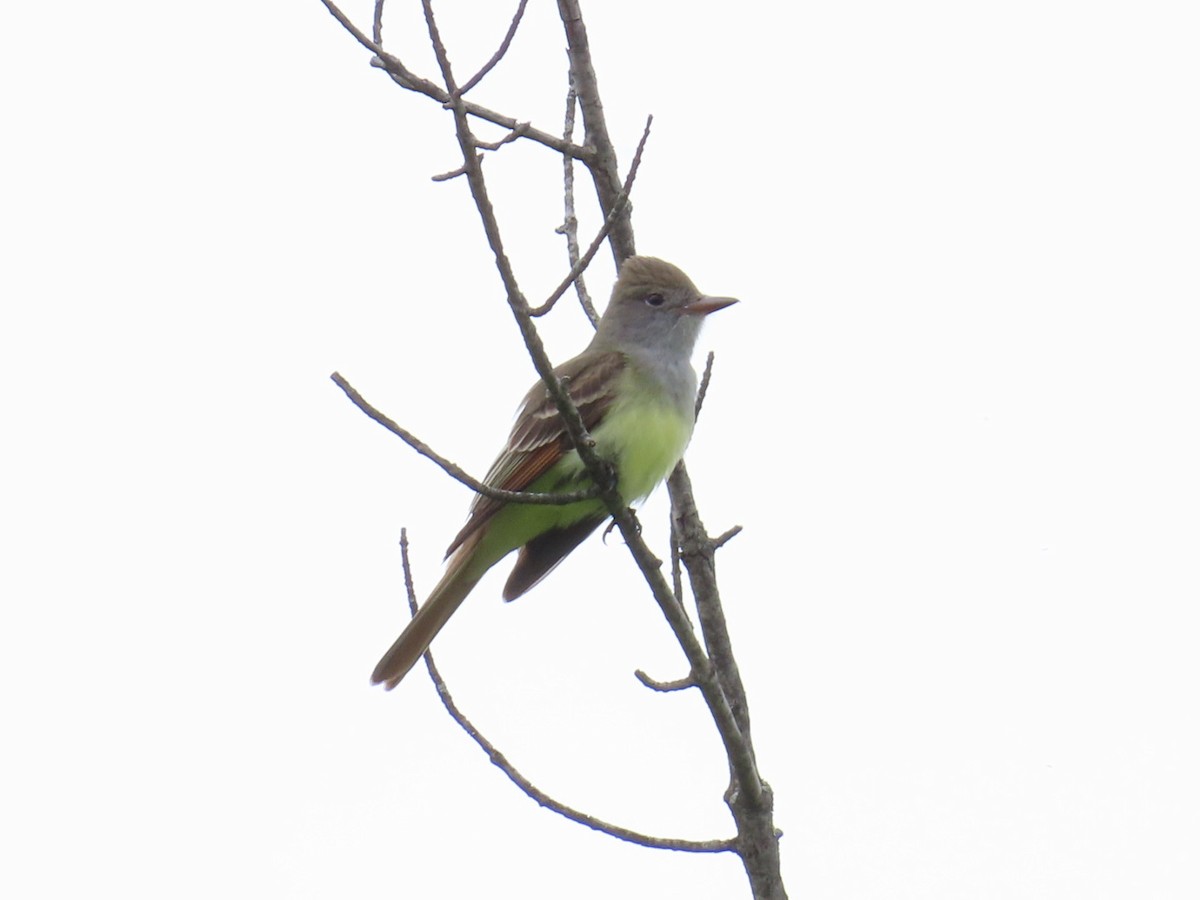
(413, 82)
(499, 54)
(610, 221)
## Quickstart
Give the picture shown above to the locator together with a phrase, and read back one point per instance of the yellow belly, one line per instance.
(645, 437)
(643, 434)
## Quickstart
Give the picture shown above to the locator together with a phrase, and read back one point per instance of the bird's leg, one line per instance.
(613, 524)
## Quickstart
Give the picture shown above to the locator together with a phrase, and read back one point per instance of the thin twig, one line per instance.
(603, 165)
(570, 225)
(610, 221)
(499, 54)
(726, 536)
(665, 687)
(413, 82)
(450, 468)
(513, 135)
(377, 24)
(704, 380)
(676, 567)
(600, 470)
(390, 62)
(500, 761)
(448, 176)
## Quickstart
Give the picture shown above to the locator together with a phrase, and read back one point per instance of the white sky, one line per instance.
(956, 413)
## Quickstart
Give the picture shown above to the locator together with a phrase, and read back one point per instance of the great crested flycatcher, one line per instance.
(635, 388)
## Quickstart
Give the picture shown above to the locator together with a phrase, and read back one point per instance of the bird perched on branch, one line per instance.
(635, 390)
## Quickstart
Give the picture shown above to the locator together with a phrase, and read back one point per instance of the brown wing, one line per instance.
(538, 439)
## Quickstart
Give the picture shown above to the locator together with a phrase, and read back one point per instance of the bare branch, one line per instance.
(600, 470)
(610, 222)
(450, 468)
(704, 380)
(696, 550)
(570, 225)
(439, 49)
(500, 761)
(751, 802)
(665, 687)
(749, 798)
(429, 89)
(603, 164)
(377, 24)
(412, 82)
(513, 135)
(726, 536)
(499, 54)
(676, 564)
(371, 45)
(452, 174)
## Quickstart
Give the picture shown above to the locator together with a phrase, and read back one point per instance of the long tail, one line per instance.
(462, 574)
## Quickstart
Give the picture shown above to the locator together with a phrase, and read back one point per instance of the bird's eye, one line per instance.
(655, 300)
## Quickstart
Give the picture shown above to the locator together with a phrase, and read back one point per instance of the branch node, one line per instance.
(521, 129)
(499, 54)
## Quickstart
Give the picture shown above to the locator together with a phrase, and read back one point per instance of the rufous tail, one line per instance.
(460, 578)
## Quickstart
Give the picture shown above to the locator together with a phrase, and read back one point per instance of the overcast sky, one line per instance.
(956, 414)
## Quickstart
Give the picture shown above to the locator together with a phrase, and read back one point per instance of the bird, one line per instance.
(635, 389)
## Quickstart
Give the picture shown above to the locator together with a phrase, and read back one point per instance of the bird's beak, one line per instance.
(702, 306)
